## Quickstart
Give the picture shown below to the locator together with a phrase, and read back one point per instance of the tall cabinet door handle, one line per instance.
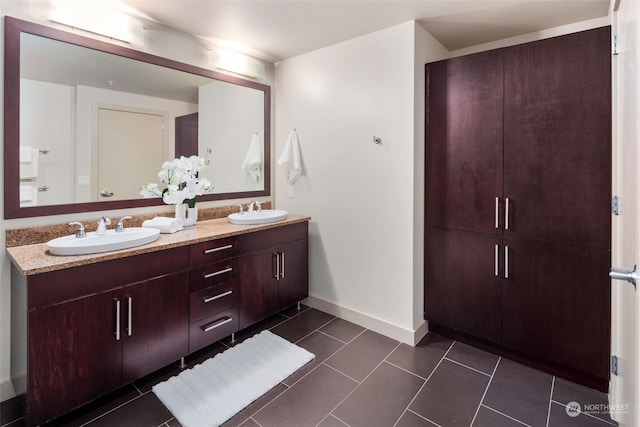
(277, 275)
(506, 262)
(497, 214)
(506, 213)
(495, 259)
(129, 316)
(117, 331)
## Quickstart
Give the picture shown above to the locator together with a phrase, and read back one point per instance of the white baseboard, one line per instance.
(407, 336)
(6, 390)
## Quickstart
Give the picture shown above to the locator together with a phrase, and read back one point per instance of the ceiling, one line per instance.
(277, 30)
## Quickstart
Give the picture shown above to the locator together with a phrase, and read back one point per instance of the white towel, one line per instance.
(25, 154)
(166, 225)
(252, 163)
(291, 161)
(28, 195)
(29, 169)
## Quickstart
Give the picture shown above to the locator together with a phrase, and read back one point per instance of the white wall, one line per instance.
(364, 199)
(161, 42)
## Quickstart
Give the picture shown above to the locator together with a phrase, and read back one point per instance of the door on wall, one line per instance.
(128, 141)
(623, 394)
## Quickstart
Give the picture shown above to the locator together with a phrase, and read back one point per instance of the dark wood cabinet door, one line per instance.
(155, 324)
(462, 289)
(258, 286)
(186, 135)
(293, 285)
(557, 304)
(73, 355)
(557, 138)
(464, 142)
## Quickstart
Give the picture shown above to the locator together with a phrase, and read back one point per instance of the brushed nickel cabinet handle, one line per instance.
(506, 213)
(495, 258)
(221, 248)
(117, 332)
(506, 262)
(217, 273)
(497, 214)
(277, 275)
(216, 324)
(129, 316)
(282, 268)
(222, 295)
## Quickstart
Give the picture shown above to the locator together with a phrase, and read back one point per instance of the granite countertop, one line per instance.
(35, 258)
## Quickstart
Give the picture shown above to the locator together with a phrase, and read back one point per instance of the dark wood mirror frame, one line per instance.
(13, 28)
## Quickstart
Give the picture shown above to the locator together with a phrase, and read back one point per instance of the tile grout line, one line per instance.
(425, 381)
(553, 383)
(469, 367)
(486, 389)
(423, 417)
(358, 382)
(505, 415)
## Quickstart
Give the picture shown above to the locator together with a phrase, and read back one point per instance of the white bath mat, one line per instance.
(212, 392)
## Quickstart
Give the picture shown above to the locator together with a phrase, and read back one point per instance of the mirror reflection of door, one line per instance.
(131, 150)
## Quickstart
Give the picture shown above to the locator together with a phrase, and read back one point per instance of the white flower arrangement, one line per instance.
(181, 182)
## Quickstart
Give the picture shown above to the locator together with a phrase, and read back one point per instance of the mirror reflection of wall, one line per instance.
(229, 116)
(65, 91)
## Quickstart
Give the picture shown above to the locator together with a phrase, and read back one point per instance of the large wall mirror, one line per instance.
(87, 123)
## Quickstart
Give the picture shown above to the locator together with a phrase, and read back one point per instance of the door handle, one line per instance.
(630, 276)
(106, 193)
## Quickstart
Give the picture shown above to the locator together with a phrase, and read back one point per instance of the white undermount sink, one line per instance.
(110, 241)
(258, 217)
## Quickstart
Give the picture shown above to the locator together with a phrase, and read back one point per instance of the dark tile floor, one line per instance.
(361, 378)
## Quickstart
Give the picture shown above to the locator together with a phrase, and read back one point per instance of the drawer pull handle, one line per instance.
(216, 324)
(222, 295)
(221, 248)
(217, 273)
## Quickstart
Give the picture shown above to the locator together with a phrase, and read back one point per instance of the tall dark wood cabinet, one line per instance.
(518, 190)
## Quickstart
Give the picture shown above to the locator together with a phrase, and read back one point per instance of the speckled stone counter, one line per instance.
(35, 258)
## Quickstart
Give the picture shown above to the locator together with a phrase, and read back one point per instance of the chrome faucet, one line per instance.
(240, 210)
(255, 203)
(81, 232)
(102, 225)
(120, 224)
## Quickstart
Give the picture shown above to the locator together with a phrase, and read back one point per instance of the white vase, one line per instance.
(180, 213)
(192, 216)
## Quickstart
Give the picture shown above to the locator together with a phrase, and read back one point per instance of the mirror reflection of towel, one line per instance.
(253, 160)
(28, 195)
(291, 161)
(29, 162)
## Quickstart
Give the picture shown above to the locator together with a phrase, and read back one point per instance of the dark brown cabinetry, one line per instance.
(273, 271)
(93, 328)
(99, 326)
(213, 297)
(517, 214)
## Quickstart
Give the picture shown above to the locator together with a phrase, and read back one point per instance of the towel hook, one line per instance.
(377, 140)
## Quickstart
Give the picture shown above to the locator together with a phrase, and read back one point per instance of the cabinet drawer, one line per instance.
(212, 329)
(225, 271)
(210, 301)
(212, 251)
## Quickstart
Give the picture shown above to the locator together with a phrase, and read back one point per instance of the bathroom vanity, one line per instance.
(86, 325)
